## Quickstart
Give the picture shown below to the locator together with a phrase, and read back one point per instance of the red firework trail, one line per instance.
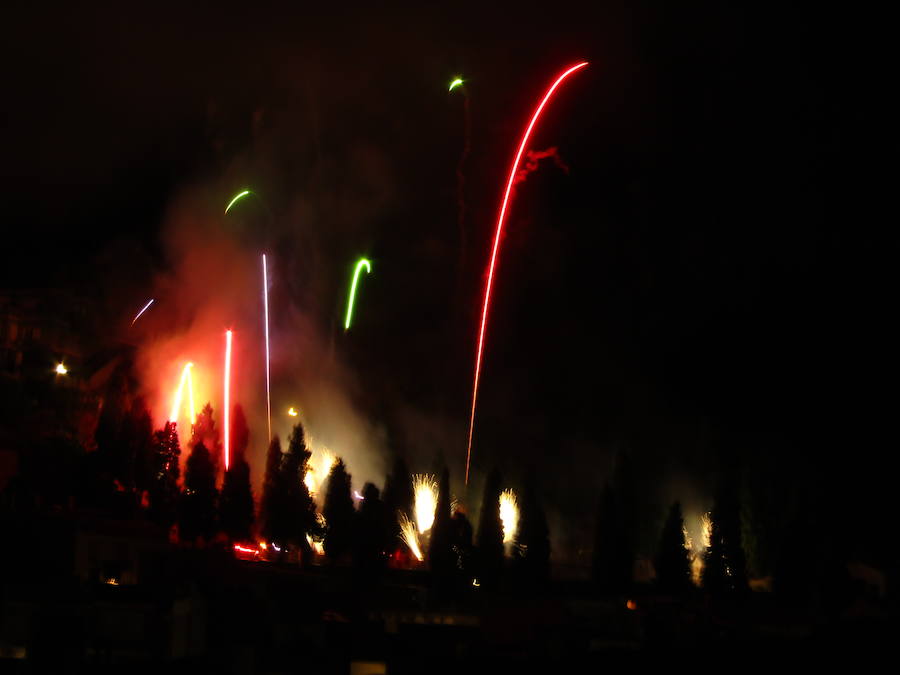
(227, 431)
(513, 170)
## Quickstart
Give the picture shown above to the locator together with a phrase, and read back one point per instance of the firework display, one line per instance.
(227, 395)
(509, 515)
(504, 206)
(143, 309)
(266, 327)
(237, 198)
(361, 263)
(179, 394)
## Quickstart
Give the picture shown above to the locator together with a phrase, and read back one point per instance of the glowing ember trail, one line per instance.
(425, 492)
(513, 170)
(238, 196)
(456, 83)
(509, 515)
(359, 265)
(227, 431)
(266, 324)
(409, 536)
(144, 309)
(179, 394)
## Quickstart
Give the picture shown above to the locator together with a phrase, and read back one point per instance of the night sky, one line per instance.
(703, 284)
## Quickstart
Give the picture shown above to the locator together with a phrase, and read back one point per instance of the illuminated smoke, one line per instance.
(509, 515)
(409, 535)
(425, 492)
(532, 162)
(500, 220)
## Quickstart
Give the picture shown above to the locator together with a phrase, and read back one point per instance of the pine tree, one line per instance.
(205, 431)
(237, 495)
(108, 436)
(300, 510)
(271, 506)
(673, 563)
(140, 438)
(441, 558)
(398, 497)
(532, 550)
(372, 532)
(197, 512)
(339, 513)
(490, 533)
(164, 487)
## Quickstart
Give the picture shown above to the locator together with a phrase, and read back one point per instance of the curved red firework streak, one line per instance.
(513, 170)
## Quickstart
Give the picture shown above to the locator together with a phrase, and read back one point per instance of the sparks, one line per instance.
(425, 491)
(227, 431)
(410, 537)
(501, 216)
(238, 196)
(61, 369)
(292, 412)
(456, 83)
(317, 472)
(266, 324)
(186, 381)
(143, 309)
(509, 515)
(359, 265)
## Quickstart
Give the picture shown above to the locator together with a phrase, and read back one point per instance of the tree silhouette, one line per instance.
(271, 508)
(673, 564)
(197, 512)
(372, 532)
(441, 558)
(113, 462)
(164, 487)
(724, 571)
(205, 431)
(339, 513)
(139, 436)
(612, 561)
(398, 497)
(490, 532)
(532, 550)
(237, 495)
(300, 510)
(462, 540)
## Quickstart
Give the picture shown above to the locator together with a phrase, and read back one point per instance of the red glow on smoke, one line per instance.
(500, 219)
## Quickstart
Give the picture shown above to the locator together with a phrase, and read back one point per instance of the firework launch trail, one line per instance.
(359, 266)
(504, 206)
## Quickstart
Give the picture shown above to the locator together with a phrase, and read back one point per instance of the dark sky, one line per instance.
(702, 283)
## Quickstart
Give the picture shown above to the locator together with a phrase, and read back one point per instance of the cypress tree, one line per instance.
(490, 532)
(339, 512)
(164, 487)
(532, 550)
(272, 503)
(197, 512)
(441, 558)
(725, 569)
(372, 532)
(237, 495)
(300, 510)
(673, 563)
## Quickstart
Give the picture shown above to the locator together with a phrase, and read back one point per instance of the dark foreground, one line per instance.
(100, 600)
